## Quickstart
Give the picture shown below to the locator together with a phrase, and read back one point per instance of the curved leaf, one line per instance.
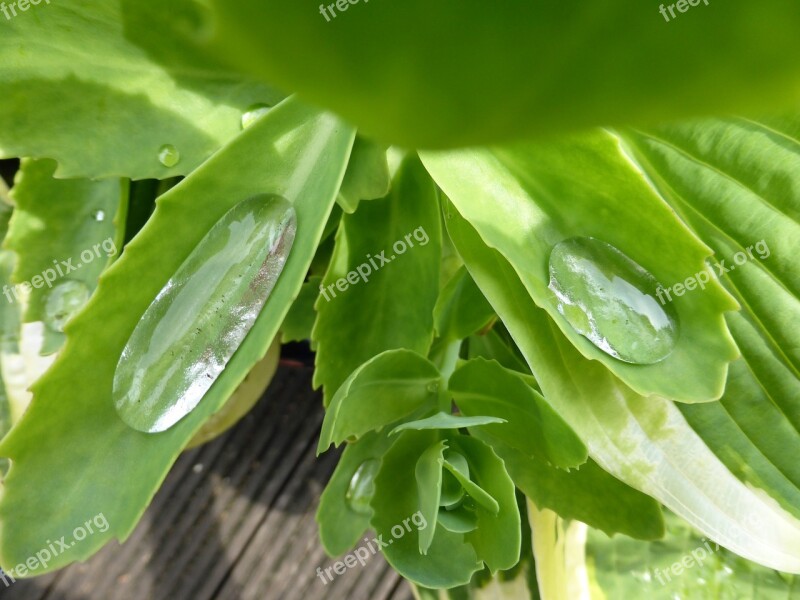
(390, 386)
(340, 527)
(446, 421)
(72, 457)
(645, 442)
(525, 199)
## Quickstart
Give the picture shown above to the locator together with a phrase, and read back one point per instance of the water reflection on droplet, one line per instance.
(255, 112)
(63, 301)
(362, 487)
(198, 320)
(612, 300)
(168, 155)
(99, 216)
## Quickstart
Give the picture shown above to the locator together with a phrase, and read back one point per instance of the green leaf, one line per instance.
(461, 309)
(450, 561)
(458, 520)
(132, 102)
(525, 199)
(340, 527)
(428, 473)
(497, 537)
(73, 239)
(66, 443)
(516, 69)
(367, 176)
(644, 441)
(379, 250)
(496, 346)
(446, 421)
(390, 386)
(481, 387)
(476, 492)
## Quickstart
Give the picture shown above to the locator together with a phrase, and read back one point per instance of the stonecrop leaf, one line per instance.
(390, 386)
(367, 291)
(446, 421)
(481, 387)
(644, 441)
(72, 456)
(461, 309)
(527, 198)
(340, 525)
(449, 560)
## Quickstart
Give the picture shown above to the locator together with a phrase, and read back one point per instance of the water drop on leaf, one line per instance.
(612, 301)
(63, 301)
(199, 319)
(99, 216)
(252, 114)
(169, 156)
(362, 486)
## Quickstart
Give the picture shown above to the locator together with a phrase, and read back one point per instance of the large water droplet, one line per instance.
(252, 114)
(63, 301)
(611, 300)
(362, 487)
(168, 155)
(202, 315)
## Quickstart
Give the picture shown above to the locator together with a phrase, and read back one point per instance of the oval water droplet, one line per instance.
(252, 114)
(612, 301)
(168, 155)
(63, 301)
(362, 486)
(199, 319)
(99, 215)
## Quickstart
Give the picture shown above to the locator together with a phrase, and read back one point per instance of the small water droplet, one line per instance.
(198, 320)
(198, 468)
(255, 112)
(643, 576)
(63, 301)
(362, 486)
(99, 215)
(611, 300)
(433, 387)
(169, 156)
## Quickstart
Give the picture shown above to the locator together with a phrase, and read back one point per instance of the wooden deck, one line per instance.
(234, 520)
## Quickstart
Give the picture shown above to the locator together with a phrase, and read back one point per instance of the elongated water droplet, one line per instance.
(362, 486)
(63, 301)
(202, 315)
(168, 155)
(252, 114)
(611, 300)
